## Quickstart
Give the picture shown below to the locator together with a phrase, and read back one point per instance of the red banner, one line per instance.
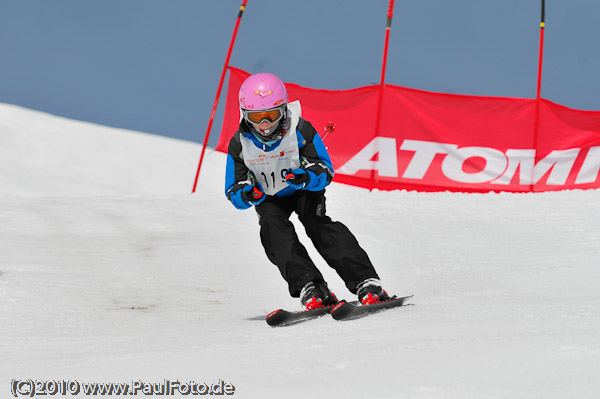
(438, 142)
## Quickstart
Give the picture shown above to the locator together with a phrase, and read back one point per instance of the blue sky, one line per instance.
(154, 65)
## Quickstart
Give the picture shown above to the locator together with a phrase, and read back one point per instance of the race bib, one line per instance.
(268, 167)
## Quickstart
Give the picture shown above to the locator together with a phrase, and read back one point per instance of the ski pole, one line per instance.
(329, 128)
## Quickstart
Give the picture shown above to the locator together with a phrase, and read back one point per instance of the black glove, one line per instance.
(297, 178)
(254, 195)
(244, 195)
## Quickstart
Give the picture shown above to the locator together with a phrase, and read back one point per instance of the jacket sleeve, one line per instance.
(237, 174)
(315, 158)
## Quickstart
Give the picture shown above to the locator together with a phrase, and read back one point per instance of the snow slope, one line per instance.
(110, 271)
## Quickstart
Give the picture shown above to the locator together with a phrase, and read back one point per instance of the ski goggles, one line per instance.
(270, 115)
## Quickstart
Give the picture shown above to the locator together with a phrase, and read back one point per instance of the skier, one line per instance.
(277, 163)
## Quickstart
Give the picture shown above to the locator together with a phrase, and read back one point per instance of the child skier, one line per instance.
(277, 163)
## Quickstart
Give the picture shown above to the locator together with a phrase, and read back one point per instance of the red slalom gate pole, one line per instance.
(538, 96)
(214, 108)
(388, 27)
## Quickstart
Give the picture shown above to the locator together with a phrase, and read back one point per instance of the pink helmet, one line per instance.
(262, 91)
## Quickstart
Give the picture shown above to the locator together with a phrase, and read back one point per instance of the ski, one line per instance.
(281, 318)
(348, 311)
(341, 311)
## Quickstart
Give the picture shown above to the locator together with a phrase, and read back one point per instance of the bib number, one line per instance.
(269, 181)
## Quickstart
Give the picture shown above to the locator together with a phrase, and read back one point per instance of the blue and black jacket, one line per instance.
(313, 158)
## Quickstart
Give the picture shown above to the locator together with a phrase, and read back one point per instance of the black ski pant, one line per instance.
(336, 244)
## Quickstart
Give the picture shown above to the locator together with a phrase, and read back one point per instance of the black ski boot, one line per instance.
(315, 294)
(370, 292)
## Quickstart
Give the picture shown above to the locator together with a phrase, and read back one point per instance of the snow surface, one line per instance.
(111, 271)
